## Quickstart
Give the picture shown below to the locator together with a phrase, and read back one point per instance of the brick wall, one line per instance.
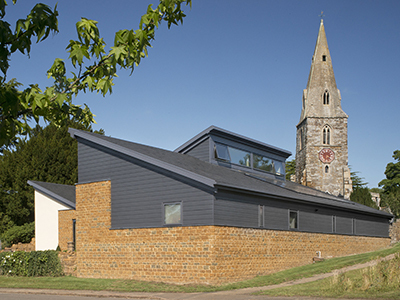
(199, 254)
(65, 218)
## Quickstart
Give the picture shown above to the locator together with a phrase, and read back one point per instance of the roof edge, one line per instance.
(139, 156)
(200, 137)
(51, 194)
(256, 192)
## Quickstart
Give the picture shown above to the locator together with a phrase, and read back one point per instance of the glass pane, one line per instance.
(239, 157)
(221, 152)
(293, 220)
(260, 216)
(279, 168)
(262, 163)
(172, 213)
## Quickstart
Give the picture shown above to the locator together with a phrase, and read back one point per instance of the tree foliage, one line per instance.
(391, 185)
(363, 196)
(290, 168)
(95, 66)
(50, 155)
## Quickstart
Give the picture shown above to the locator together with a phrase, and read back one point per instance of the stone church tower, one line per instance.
(321, 141)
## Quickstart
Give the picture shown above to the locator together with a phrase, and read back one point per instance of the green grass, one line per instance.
(381, 281)
(73, 283)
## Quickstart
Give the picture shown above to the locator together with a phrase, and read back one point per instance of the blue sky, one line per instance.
(242, 66)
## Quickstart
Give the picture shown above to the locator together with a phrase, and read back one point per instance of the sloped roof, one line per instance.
(222, 177)
(228, 134)
(62, 193)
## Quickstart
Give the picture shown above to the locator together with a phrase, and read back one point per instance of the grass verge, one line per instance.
(73, 283)
(381, 281)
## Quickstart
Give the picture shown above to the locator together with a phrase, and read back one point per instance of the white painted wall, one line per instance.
(46, 222)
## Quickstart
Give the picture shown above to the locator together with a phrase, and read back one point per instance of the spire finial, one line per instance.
(322, 16)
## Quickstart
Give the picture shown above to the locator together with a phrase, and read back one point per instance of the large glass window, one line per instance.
(245, 158)
(172, 213)
(293, 219)
(263, 163)
(239, 157)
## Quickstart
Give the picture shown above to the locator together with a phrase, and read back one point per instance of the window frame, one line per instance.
(291, 211)
(326, 135)
(261, 216)
(180, 211)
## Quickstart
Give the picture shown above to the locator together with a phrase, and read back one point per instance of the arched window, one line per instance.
(326, 97)
(326, 135)
(326, 169)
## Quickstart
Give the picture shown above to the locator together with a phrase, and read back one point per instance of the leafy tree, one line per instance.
(357, 181)
(363, 196)
(95, 66)
(49, 155)
(391, 185)
(290, 168)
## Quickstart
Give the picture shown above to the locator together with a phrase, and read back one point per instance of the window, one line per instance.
(172, 213)
(74, 233)
(326, 135)
(221, 152)
(293, 219)
(263, 163)
(261, 216)
(279, 167)
(326, 169)
(239, 157)
(248, 159)
(333, 224)
(301, 139)
(323, 57)
(326, 98)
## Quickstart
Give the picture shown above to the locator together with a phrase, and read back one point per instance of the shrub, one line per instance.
(35, 263)
(18, 234)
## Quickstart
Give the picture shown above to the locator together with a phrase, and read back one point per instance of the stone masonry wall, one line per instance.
(200, 254)
(395, 232)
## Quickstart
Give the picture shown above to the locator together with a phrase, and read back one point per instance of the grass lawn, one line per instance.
(73, 283)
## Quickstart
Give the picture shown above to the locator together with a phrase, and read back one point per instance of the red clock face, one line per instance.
(326, 155)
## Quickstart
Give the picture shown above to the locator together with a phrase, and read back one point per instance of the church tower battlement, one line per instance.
(321, 140)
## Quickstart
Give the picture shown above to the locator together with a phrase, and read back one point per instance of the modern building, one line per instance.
(217, 209)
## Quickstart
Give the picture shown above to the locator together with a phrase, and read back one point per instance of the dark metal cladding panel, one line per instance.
(276, 218)
(232, 213)
(138, 193)
(201, 151)
(370, 228)
(315, 222)
(344, 225)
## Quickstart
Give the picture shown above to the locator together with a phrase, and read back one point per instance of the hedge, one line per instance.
(34, 263)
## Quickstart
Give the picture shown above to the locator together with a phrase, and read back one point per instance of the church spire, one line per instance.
(321, 97)
(321, 140)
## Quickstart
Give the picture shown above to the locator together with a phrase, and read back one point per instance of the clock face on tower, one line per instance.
(326, 155)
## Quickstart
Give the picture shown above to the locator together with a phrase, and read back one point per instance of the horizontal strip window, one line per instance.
(248, 159)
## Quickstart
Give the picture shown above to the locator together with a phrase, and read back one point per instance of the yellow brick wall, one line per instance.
(65, 234)
(198, 254)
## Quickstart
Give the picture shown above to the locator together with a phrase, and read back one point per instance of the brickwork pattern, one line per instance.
(65, 218)
(202, 254)
(68, 261)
